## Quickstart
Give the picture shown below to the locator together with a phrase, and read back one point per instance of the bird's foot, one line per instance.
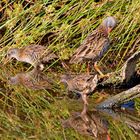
(103, 76)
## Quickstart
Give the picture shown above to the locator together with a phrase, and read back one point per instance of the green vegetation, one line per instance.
(61, 25)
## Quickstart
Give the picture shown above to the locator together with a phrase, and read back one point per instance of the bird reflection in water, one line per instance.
(96, 123)
(34, 79)
(88, 123)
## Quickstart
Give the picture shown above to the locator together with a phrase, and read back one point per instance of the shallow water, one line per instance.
(22, 92)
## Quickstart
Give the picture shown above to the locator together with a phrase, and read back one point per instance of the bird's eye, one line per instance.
(8, 54)
(11, 52)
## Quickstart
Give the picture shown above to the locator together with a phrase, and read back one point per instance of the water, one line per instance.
(105, 124)
(31, 101)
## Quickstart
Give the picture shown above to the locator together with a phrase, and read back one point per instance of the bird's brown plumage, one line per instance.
(93, 47)
(82, 84)
(36, 55)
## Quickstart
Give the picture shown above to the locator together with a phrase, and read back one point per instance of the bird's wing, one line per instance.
(33, 51)
(92, 48)
(49, 55)
(40, 52)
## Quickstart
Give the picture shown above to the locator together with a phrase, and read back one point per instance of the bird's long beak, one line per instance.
(6, 60)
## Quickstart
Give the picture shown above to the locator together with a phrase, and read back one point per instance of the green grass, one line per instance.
(62, 26)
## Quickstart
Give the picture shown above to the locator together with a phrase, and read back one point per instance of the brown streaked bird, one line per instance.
(95, 45)
(35, 55)
(82, 84)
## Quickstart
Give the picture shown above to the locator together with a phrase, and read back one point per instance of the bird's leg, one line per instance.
(88, 68)
(84, 113)
(84, 110)
(84, 98)
(96, 67)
